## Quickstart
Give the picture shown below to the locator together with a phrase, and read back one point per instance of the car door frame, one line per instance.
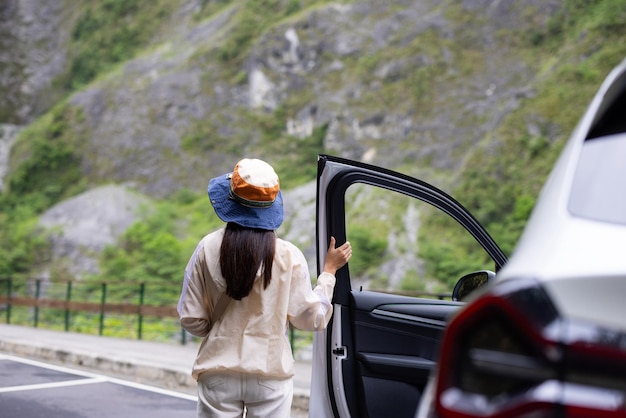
(335, 176)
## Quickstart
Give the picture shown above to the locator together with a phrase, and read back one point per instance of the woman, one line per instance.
(242, 287)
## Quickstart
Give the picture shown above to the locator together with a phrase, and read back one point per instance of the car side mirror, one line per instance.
(470, 282)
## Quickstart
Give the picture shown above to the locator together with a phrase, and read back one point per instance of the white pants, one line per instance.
(228, 395)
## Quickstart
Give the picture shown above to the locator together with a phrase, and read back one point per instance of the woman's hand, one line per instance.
(337, 257)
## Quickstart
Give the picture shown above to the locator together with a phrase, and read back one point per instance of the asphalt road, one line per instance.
(31, 389)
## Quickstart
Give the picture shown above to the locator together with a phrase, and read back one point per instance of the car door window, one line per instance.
(403, 245)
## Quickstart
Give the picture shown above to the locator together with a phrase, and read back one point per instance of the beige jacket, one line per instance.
(252, 334)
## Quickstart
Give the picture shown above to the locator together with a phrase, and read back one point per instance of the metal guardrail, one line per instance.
(99, 299)
(30, 294)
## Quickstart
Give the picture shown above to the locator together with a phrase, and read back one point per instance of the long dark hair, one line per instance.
(242, 253)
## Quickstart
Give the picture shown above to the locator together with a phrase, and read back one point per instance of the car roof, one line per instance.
(564, 249)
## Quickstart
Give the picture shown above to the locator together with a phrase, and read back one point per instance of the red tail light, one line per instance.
(508, 354)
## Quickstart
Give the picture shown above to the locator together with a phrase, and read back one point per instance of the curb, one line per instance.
(152, 363)
(156, 375)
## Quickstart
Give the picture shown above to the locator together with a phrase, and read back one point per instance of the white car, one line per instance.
(545, 337)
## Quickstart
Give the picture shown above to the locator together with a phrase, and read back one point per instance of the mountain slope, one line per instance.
(475, 96)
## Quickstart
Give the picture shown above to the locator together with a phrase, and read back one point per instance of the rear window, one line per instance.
(599, 188)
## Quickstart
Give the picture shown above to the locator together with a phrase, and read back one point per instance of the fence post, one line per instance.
(37, 294)
(68, 299)
(9, 292)
(142, 289)
(102, 302)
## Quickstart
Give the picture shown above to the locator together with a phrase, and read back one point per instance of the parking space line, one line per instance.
(52, 385)
(97, 378)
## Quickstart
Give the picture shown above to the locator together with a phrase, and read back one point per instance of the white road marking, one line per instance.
(93, 378)
(51, 385)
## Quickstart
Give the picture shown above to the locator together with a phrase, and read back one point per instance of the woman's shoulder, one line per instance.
(212, 240)
(288, 245)
(286, 250)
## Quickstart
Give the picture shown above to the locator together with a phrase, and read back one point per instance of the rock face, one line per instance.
(392, 82)
(33, 45)
(7, 137)
(81, 227)
(402, 84)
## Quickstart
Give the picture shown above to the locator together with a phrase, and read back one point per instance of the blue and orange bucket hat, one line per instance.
(248, 196)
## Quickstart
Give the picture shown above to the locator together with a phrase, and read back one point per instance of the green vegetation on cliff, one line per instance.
(499, 178)
(502, 178)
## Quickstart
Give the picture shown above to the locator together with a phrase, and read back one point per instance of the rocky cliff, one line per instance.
(402, 83)
(410, 85)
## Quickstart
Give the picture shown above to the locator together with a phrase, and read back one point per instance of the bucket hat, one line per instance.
(248, 196)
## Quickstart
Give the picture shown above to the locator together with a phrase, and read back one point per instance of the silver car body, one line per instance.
(581, 257)
(573, 247)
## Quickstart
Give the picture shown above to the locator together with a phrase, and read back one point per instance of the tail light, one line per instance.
(508, 354)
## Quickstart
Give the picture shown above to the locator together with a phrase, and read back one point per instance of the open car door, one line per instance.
(375, 357)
